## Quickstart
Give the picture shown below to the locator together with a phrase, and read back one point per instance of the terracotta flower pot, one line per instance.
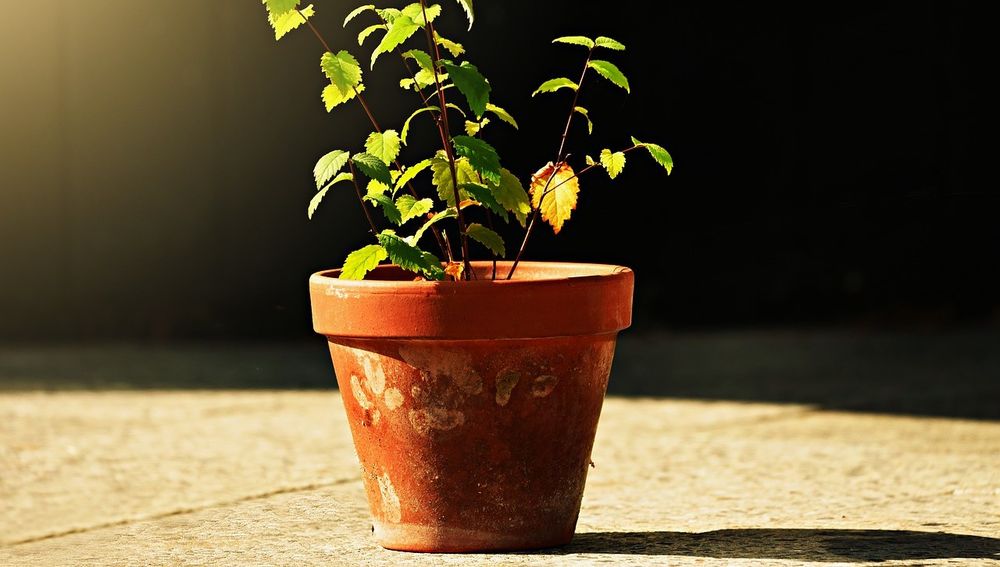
(474, 405)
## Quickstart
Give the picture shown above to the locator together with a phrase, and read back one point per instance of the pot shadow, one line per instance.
(824, 545)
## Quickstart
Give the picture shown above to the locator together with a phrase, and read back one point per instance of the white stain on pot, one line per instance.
(506, 380)
(390, 500)
(393, 398)
(339, 293)
(373, 371)
(543, 385)
(359, 393)
(435, 418)
(453, 365)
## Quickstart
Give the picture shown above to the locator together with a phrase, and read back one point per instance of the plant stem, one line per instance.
(560, 157)
(357, 189)
(445, 131)
(442, 242)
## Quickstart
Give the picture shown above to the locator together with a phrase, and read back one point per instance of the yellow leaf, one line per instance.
(557, 202)
(454, 269)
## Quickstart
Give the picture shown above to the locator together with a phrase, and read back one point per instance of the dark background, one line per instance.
(155, 162)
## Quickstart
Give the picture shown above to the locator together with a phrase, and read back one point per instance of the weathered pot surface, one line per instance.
(474, 405)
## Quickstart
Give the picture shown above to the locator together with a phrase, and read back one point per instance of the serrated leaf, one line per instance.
(329, 165)
(511, 195)
(422, 59)
(280, 7)
(410, 207)
(362, 261)
(416, 13)
(484, 196)
(487, 238)
(440, 216)
(406, 125)
(388, 207)
(659, 154)
(368, 31)
(609, 71)
(442, 179)
(375, 188)
(482, 157)
(332, 96)
(357, 12)
(589, 160)
(471, 128)
(452, 105)
(553, 85)
(471, 83)
(613, 162)
(410, 173)
(453, 47)
(383, 145)
(400, 30)
(608, 43)
(284, 23)
(575, 40)
(469, 14)
(404, 254)
(318, 197)
(389, 15)
(501, 114)
(342, 69)
(583, 111)
(372, 167)
(556, 202)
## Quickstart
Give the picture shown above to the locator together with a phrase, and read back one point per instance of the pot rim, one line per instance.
(549, 299)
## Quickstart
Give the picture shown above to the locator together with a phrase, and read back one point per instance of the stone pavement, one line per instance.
(270, 478)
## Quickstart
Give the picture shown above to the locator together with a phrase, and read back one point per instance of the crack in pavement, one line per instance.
(178, 511)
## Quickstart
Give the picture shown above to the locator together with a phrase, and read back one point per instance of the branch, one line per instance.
(357, 189)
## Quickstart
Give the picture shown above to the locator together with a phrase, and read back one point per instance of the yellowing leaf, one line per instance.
(358, 11)
(557, 201)
(467, 7)
(454, 269)
(342, 69)
(362, 261)
(575, 40)
(332, 96)
(553, 85)
(290, 20)
(609, 43)
(614, 162)
(383, 145)
(501, 114)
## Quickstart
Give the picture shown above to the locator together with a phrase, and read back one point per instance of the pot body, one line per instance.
(472, 442)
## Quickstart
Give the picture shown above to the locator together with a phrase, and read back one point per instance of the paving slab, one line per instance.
(270, 478)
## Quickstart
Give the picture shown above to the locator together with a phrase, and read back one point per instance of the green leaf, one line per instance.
(400, 30)
(388, 14)
(410, 207)
(659, 154)
(384, 145)
(454, 48)
(332, 96)
(372, 167)
(608, 43)
(512, 196)
(280, 7)
(406, 125)
(487, 238)
(410, 173)
(473, 128)
(362, 261)
(553, 85)
(484, 196)
(467, 7)
(368, 31)
(482, 157)
(375, 188)
(501, 114)
(404, 254)
(342, 69)
(318, 197)
(614, 163)
(583, 111)
(329, 165)
(442, 215)
(290, 20)
(609, 71)
(416, 13)
(422, 59)
(388, 207)
(357, 12)
(454, 106)
(575, 40)
(442, 179)
(471, 84)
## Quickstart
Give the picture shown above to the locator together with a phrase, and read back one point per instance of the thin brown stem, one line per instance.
(357, 189)
(445, 132)
(560, 158)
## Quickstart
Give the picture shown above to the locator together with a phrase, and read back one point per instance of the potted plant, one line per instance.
(472, 388)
